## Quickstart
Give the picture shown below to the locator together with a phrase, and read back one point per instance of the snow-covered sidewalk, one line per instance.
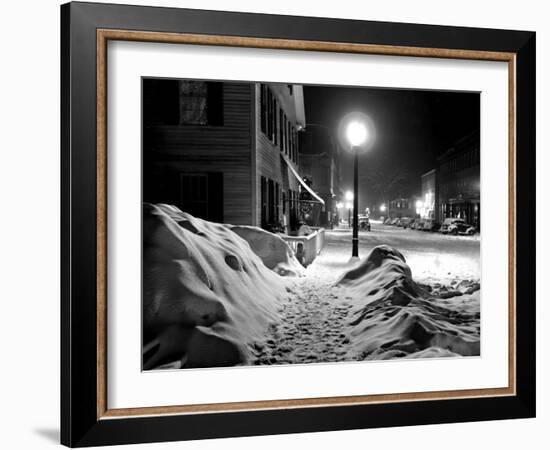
(314, 326)
(315, 318)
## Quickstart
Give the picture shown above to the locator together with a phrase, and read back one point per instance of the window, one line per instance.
(201, 103)
(297, 145)
(271, 120)
(291, 150)
(271, 201)
(193, 103)
(277, 202)
(273, 135)
(270, 114)
(201, 195)
(263, 108)
(274, 115)
(275, 121)
(288, 137)
(270, 195)
(263, 201)
(293, 145)
(285, 137)
(281, 134)
(194, 194)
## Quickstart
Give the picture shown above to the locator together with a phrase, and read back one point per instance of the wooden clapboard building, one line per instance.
(224, 151)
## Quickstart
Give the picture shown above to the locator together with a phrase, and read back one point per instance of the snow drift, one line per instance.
(400, 318)
(272, 249)
(206, 295)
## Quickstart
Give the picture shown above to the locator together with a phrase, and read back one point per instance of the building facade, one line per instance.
(430, 195)
(319, 156)
(402, 207)
(459, 181)
(279, 113)
(223, 151)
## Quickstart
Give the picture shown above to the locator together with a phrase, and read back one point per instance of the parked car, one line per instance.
(430, 225)
(417, 224)
(394, 221)
(405, 222)
(446, 224)
(364, 222)
(461, 228)
(456, 226)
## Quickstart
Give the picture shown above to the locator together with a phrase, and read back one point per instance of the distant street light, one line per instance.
(349, 196)
(349, 205)
(339, 206)
(382, 208)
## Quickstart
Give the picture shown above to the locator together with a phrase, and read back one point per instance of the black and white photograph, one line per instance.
(296, 224)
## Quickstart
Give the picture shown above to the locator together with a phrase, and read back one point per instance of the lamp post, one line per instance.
(356, 133)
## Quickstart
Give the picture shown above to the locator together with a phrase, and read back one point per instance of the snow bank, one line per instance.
(272, 249)
(399, 318)
(206, 295)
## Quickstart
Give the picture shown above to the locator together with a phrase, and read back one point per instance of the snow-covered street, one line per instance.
(432, 257)
(318, 317)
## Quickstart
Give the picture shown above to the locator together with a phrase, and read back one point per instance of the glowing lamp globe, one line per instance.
(356, 133)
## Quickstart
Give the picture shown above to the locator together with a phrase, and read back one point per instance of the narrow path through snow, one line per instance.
(313, 326)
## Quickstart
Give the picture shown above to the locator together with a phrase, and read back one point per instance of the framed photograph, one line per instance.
(277, 224)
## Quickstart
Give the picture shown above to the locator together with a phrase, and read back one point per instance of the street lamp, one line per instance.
(357, 134)
(382, 208)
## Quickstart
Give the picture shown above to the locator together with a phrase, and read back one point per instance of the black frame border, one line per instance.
(79, 423)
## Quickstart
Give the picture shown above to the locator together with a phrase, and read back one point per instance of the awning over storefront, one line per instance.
(302, 182)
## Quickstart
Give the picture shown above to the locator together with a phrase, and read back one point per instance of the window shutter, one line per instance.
(214, 107)
(160, 102)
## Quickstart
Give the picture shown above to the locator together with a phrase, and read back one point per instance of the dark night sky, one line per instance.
(412, 128)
